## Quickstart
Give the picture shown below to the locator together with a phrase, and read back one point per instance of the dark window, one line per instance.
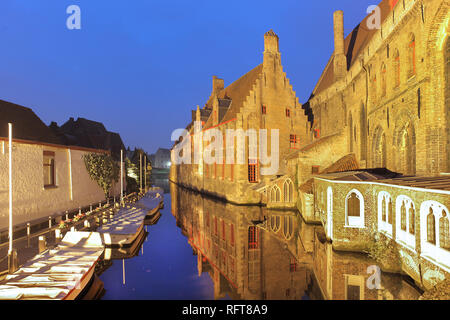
(315, 169)
(431, 227)
(293, 265)
(263, 109)
(252, 170)
(412, 219)
(288, 112)
(293, 141)
(389, 211)
(253, 236)
(317, 133)
(49, 169)
(353, 209)
(403, 216)
(353, 292)
(444, 236)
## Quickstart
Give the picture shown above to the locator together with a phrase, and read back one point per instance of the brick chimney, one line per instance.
(271, 42)
(340, 60)
(217, 85)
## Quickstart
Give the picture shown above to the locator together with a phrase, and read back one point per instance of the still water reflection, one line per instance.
(202, 248)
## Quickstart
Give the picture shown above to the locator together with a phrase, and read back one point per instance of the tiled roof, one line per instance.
(346, 163)
(237, 92)
(354, 44)
(26, 124)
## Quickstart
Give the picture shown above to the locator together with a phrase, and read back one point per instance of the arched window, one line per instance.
(412, 219)
(411, 56)
(353, 206)
(288, 190)
(405, 219)
(431, 227)
(434, 232)
(354, 209)
(384, 215)
(389, 211)
(275, 194)
(396, 68)
(288, 227)
(383, 80)
(444, 236)
(403, 216)
(275, 223)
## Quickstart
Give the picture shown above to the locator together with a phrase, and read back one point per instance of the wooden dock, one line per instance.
(128, 223)
(61, 273)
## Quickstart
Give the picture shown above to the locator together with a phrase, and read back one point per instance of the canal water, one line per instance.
(202, 248)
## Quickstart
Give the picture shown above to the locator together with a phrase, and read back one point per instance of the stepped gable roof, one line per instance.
(354, 44)
(237, 92)
(26, 124)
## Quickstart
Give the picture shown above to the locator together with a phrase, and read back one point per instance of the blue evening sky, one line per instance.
(140, 66)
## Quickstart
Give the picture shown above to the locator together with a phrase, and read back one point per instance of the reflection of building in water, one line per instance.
(382, 102)
(352, 276)
(245, 260)
(251, 252)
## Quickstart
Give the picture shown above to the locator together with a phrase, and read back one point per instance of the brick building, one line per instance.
(261, 99)
(374, 138)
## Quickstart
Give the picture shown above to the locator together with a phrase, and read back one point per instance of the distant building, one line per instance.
(89, 134)
(49, 174)
(161, 159)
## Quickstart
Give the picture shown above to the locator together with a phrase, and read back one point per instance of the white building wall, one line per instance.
(30, 199)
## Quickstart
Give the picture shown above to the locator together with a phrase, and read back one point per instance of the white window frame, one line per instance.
(430, 251)
(404, 237)
(384, 226)
(355, 222)
(329, 225)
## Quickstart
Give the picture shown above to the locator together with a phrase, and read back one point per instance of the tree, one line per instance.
(102, 169)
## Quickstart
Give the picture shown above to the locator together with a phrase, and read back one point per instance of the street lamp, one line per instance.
(12, 254)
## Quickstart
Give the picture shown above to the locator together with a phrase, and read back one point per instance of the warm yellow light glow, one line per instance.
(443, 34)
